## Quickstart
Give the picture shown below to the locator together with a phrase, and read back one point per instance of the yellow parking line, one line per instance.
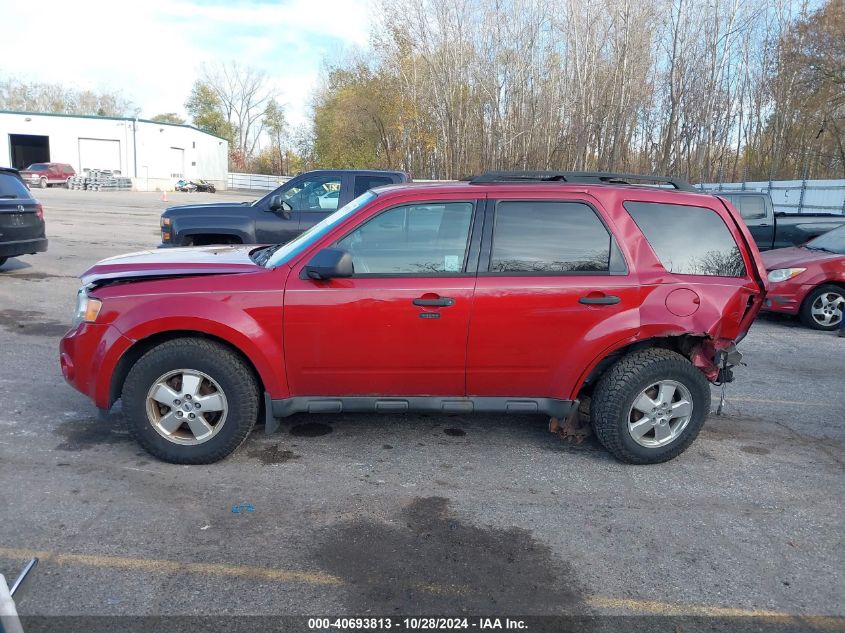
(170, 566)
(629, 605)
(654, 607)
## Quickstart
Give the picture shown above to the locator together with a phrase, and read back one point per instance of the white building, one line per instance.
(154, 155)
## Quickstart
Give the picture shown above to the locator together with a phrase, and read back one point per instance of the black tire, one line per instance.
(42, 183)
(623, 382)
(225, 367)
(806, 312)
(3, 260)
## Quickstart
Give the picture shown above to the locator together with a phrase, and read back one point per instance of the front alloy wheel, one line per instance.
(186, 406)
(190, 400)
(824, 308)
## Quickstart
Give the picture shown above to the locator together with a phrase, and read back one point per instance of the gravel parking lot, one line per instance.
(358, 514)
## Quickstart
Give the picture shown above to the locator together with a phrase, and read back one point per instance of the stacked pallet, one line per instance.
(100, 180)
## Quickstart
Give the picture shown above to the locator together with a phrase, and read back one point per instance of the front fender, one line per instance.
(251, 326)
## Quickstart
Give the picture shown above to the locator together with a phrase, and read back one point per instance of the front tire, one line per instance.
(190, 401)
(3, 260)
(650, 406)
(42, 183)
(824, 308)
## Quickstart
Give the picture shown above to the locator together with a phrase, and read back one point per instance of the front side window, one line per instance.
(688, 240)
(414, 239)
(540, 236)
(314, 194)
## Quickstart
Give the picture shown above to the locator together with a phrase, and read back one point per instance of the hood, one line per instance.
(212, 205)
(796, 257)
(173, 262)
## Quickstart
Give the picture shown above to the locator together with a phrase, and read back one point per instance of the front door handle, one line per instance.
(440, 302)
(603, 300)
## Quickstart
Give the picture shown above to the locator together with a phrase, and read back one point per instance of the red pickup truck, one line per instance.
(514, 293)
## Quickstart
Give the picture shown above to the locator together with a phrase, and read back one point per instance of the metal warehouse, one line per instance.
(155, 155)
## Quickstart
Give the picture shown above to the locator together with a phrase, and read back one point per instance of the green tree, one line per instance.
(206, 112)
(168, 117)
(355, 120)
(276, 126)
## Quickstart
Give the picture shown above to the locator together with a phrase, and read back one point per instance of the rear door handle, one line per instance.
(442, 302)
(604, 300)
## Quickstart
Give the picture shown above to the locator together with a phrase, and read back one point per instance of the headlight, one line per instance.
(87, 308)
(165, 221)
(782, 274)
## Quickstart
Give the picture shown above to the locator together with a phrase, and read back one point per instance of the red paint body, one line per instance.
(822, 267)
(504, 335)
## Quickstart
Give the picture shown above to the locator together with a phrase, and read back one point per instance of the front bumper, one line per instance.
(88, 355)
(23, 247)
(786, 297)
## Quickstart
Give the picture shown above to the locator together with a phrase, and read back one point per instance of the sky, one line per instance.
(151, 50)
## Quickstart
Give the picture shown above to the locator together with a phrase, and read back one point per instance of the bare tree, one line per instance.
(243, 92)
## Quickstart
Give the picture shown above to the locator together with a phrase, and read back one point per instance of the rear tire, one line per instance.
(824, 308)
(634, 385)
(42, 183)
(224, 377)
(3, 260)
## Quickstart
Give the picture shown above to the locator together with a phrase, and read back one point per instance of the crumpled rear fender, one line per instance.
(720, 318)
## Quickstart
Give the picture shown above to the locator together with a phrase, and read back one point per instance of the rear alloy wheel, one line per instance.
(190, 401)
(42, 183)
(650, 406)
(824, 307)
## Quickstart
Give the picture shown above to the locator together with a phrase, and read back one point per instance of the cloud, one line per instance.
(151, 51)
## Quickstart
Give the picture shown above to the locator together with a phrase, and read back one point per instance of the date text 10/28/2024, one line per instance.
(417, 624)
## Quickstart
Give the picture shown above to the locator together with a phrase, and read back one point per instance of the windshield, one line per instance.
(297, 245)
(832, 241)
(37, 167)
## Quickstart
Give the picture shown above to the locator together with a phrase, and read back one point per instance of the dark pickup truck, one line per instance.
(778, 230)
(278, 217)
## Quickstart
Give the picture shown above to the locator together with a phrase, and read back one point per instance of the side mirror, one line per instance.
(279, 205)
(329, 263)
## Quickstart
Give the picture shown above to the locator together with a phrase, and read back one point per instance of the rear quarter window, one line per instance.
(749, 207)
(12, 187)
(688, 240)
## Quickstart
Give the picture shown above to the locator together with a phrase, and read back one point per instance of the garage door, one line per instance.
(95, 153)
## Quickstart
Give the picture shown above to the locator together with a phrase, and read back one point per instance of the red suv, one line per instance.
(45, 174)
(517, 293)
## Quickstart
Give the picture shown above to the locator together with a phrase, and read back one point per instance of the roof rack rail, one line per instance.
(580, 177)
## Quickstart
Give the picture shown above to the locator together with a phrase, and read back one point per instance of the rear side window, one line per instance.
(12, 187)
(688, 240)
(365, 183)
(548, 237)
(749, 207)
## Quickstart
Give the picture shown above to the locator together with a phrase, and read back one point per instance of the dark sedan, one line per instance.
(809, 280)
(21, 218)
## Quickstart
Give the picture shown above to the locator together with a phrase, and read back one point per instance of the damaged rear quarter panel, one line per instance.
(722, 309)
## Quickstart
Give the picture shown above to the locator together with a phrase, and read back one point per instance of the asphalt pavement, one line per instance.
(409, 514)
